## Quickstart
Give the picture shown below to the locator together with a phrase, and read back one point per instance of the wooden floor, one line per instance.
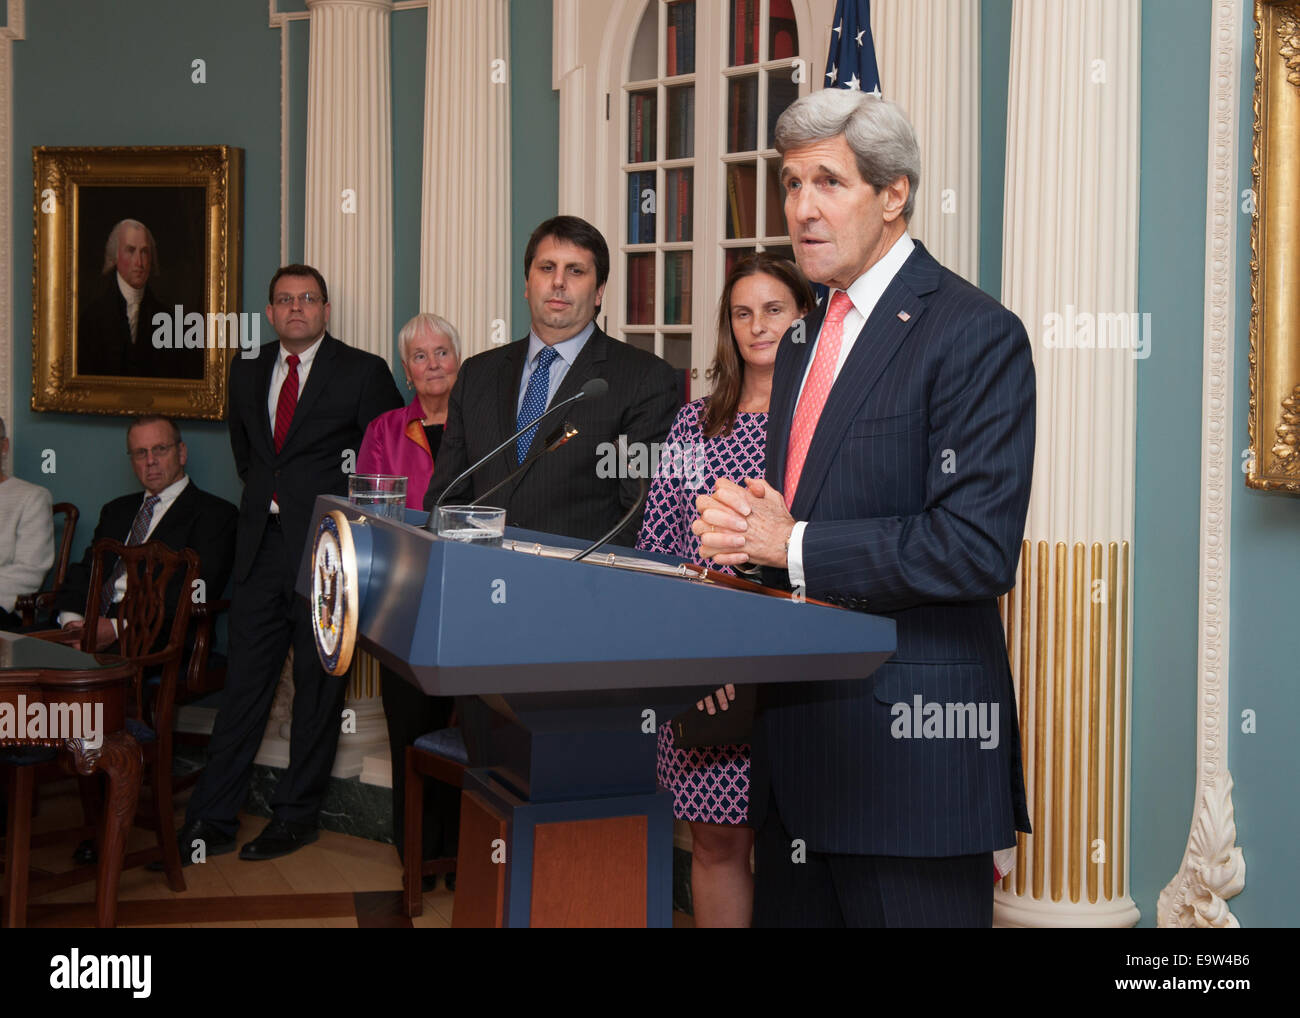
(338, 881)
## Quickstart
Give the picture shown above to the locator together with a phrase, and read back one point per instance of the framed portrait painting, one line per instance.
(136, 276)
(1273, 462)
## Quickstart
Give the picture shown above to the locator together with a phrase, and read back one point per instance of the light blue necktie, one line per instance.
(539, 385)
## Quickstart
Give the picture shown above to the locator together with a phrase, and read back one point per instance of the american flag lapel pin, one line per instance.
(903, 316)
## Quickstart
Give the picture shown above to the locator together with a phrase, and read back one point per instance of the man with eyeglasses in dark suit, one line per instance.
(173, 510)
(296, 412)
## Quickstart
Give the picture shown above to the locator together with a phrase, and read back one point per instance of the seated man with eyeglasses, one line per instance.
(173, 510)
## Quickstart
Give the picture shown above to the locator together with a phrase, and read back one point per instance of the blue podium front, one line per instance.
(566, 670)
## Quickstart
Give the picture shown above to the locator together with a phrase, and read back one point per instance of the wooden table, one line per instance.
(43, 672)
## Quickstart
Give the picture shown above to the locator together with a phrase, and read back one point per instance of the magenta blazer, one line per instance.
(395, 444)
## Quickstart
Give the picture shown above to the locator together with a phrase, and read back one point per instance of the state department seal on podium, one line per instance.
(334, 592)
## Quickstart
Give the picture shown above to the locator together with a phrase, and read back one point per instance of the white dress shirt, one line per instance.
(865, 292)
(133, 298)
(166, 498)
(278, 374)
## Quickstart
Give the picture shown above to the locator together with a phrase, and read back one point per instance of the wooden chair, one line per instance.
(150, 567)
(140, 615)
(439, 755)
(27, 605)
(204, 673)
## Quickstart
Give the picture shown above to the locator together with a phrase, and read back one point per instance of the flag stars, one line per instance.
(861, 33)
(839, 28)
(832, 74)
(854, 84)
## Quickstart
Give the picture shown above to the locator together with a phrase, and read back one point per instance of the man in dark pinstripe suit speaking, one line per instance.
(900, 451)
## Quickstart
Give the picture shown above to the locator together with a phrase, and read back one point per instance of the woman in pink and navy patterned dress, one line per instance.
(722, 435)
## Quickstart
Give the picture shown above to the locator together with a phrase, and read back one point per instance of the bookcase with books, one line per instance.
(703, 85)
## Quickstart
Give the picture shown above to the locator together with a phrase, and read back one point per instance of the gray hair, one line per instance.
(434, 323)
(115, 238)
(877, 131)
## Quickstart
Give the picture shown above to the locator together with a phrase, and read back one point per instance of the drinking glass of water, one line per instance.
(477, 524)
(383, 494)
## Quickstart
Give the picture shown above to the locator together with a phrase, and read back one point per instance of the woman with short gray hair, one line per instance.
(405, 441)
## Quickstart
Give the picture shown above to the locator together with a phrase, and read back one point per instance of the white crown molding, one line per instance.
(1213, 867)
(14, 30)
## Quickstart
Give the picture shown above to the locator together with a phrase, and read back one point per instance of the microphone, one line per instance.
(554, 440)
(640, 501)
(594, 388)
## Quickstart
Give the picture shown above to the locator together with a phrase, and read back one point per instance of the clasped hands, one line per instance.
(738, 524)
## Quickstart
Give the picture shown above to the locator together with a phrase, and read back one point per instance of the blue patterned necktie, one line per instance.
(139, 527)
(539, 385)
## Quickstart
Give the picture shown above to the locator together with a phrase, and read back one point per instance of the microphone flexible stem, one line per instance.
(640, 499)
(594, 387)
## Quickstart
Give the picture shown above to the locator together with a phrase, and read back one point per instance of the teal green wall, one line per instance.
(995, 65)
(534, 140)
(409, 31)
(68, 74)
(1265, 640)
(1171, 271)
(154, 41)
(1171, 266)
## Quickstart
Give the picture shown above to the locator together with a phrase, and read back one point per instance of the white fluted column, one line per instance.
(1070, 273)
(466, 266)
(349, 238)
(349, 215)
(928, 54)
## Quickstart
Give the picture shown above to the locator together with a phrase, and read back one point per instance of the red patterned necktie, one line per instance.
(288, 401)
(815, 391)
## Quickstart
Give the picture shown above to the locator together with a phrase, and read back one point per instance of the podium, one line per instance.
(566, 670)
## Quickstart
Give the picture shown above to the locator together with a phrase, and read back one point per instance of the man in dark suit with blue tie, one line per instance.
(899, 457)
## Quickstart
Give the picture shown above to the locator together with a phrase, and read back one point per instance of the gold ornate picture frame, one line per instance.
(1273, 463)
(158, 339)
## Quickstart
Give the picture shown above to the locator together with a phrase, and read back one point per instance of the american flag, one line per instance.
(851, 62)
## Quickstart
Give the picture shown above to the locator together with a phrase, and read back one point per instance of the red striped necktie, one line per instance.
(288, 401)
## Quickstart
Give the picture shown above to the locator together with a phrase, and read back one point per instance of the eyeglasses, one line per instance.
(286, 300)
(157, 452)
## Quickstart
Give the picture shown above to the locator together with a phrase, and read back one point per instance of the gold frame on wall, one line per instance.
(58, 175)
(1274, 460)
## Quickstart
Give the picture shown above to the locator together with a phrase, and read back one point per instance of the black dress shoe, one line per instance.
(278, 838)
(85, 854)
(215, 842)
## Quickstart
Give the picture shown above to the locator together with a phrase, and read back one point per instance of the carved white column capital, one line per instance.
(315, 5)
